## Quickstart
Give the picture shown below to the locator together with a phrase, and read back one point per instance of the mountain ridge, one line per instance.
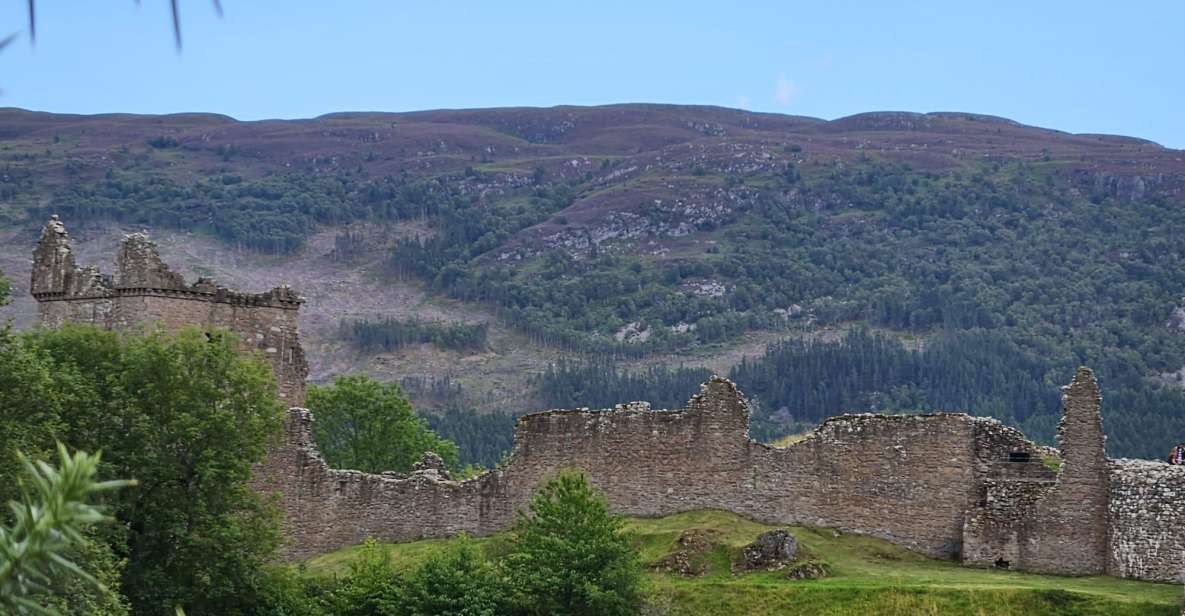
(636, 231)
(865, 119)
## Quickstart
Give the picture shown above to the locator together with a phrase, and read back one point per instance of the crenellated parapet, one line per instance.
(144, 291)
(139, 271)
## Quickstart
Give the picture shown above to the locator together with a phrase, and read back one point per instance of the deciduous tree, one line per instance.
(188, 417)
(366, 425)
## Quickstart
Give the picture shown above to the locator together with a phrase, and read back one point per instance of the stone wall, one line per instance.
(325, 509)
(907, 479)
(144, 292)
(1059, 526)
(1146, 521)
(941, 484)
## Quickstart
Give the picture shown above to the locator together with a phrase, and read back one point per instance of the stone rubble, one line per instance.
(774, 549)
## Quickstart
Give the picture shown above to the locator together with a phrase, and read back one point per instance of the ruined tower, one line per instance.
(144, 292)
(1074, 515)
(1051, 526)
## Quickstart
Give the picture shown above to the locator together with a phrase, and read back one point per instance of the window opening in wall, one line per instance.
(1002, 564)
(1020, 456)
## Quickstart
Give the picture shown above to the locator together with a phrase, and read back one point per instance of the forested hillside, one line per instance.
(976, 261)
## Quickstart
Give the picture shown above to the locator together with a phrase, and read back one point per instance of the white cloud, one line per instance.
(785, 91)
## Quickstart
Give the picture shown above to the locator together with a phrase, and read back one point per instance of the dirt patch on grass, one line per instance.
(691, 555)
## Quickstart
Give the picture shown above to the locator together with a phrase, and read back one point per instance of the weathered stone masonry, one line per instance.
(942, 484)
(1054, 526)
(144, 292)
(908, 479)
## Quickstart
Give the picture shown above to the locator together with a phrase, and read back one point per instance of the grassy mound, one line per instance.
(867, 576)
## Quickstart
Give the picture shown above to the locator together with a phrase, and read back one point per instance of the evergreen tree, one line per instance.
(459, 582)
(570, 555)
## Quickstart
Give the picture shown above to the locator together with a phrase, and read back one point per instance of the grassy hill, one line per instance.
(1000, 256)
(868, 576)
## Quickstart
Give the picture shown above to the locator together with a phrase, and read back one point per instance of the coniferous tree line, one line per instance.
(392, 334)
(600, 384)
(800, 382)
(980, 372)
(442, 391)
(483, 439)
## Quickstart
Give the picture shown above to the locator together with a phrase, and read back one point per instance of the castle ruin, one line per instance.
(144, 292)
(943, 484)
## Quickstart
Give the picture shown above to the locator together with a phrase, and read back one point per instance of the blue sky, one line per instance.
(1083, 66)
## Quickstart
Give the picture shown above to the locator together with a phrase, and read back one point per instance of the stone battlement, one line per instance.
(280, 297)
(139, 271)
(144, 292)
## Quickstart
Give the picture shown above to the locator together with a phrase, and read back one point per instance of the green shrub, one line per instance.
(571, 556)
(371, 588)
(459, 582)
(366, 425)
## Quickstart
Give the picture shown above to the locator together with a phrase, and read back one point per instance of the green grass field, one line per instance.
(869, 576)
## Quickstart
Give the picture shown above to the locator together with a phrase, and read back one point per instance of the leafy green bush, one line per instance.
(366, 425)
(459, 582)
(570, 555)
(371, 588)
(185, 415)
